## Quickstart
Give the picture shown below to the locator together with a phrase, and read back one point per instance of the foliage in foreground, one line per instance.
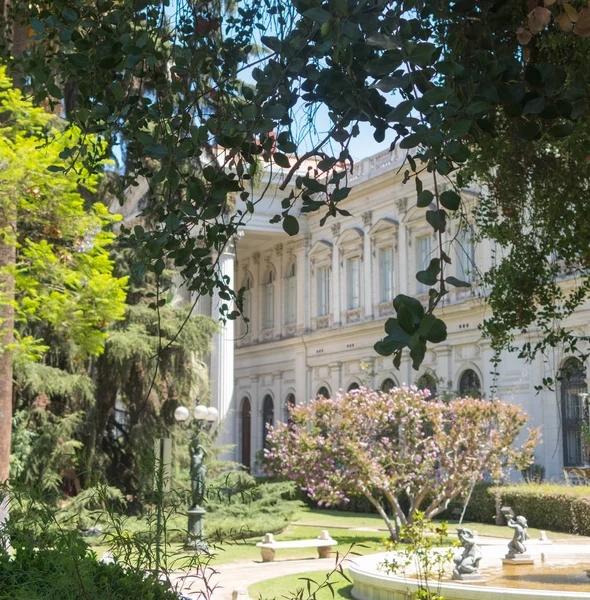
(69, 571)
(497, 85)
(383, 445)
(422, 557)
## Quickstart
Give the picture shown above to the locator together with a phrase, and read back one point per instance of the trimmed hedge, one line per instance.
(481, 507)
(548, 506)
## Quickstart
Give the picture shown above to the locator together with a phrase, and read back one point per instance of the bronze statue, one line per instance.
(516, 545)
(467, 563)
(198, 475)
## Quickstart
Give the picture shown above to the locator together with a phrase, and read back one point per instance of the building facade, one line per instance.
(318, 302)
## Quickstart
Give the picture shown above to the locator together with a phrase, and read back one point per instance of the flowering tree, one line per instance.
(381, 445)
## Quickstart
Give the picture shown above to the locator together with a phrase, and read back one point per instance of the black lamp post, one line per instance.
(204, 417)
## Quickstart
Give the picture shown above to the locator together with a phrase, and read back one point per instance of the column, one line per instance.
(367, 266)
(301, 393)
(279, 291)
(222, 357)
(255, 411)
(303, 285)
(443, 363)
(335, 285)
(255, 300)
(335, 376)
(402, 265)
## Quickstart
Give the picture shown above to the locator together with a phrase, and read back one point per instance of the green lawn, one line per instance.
(335, 518)
(365, 541)
(286, 587)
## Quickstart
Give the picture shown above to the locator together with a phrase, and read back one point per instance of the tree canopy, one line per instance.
(385, 446)
(493, 91)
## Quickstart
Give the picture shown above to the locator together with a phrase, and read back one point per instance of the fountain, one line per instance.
(483, 571)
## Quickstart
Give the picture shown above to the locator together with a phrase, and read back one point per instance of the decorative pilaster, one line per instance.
(403, 265)
(368, 279)
(335, 286)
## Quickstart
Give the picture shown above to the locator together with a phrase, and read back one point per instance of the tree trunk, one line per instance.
(7, 263)
(390, 526)
(7, 293)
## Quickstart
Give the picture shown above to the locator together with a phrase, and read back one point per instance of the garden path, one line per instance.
(218, 582)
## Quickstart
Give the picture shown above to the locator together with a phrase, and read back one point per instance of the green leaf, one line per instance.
(381, 40)
(512, 93)
(424, 198)
(437, 219)
(156, 151)
(410, 303)
(433, 329)
(450, 200)
(411, 141)
(449, 67)
(477, 109)
(37, 25)
(159, 266)
(276, 111)
(395, 333)
(401, 111)
(457, 151)
(459, 129)
(405, 320)
(534, 106)
(317, 14)
(562, 130)
(430, 275)
(387, 84)
(422, 54)
(291, 225)
(69, 14)
(443, 166)
(457, 282)
(417, 351)
(79, 60)
(530, 131)
(438, 95)
(282, 160)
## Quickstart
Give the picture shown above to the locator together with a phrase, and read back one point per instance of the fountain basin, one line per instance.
(559, 572)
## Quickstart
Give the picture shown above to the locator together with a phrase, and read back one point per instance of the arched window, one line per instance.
(573, 384)
(289, 405)
(427, 381)
(387, 385)
(324, 391)
(245, 432)
(268, 416)
(353, 386)
(268, 299)
(246, 322)
(290, 293)
(469, 384)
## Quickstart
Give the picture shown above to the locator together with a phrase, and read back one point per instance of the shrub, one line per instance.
(70, 571)
(549, 506)
(238, 506)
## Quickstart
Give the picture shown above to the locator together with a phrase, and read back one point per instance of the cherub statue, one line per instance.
(516, 545)
(198, 475)
(467, 562)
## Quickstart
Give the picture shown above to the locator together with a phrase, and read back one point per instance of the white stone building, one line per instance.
(318, 302)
